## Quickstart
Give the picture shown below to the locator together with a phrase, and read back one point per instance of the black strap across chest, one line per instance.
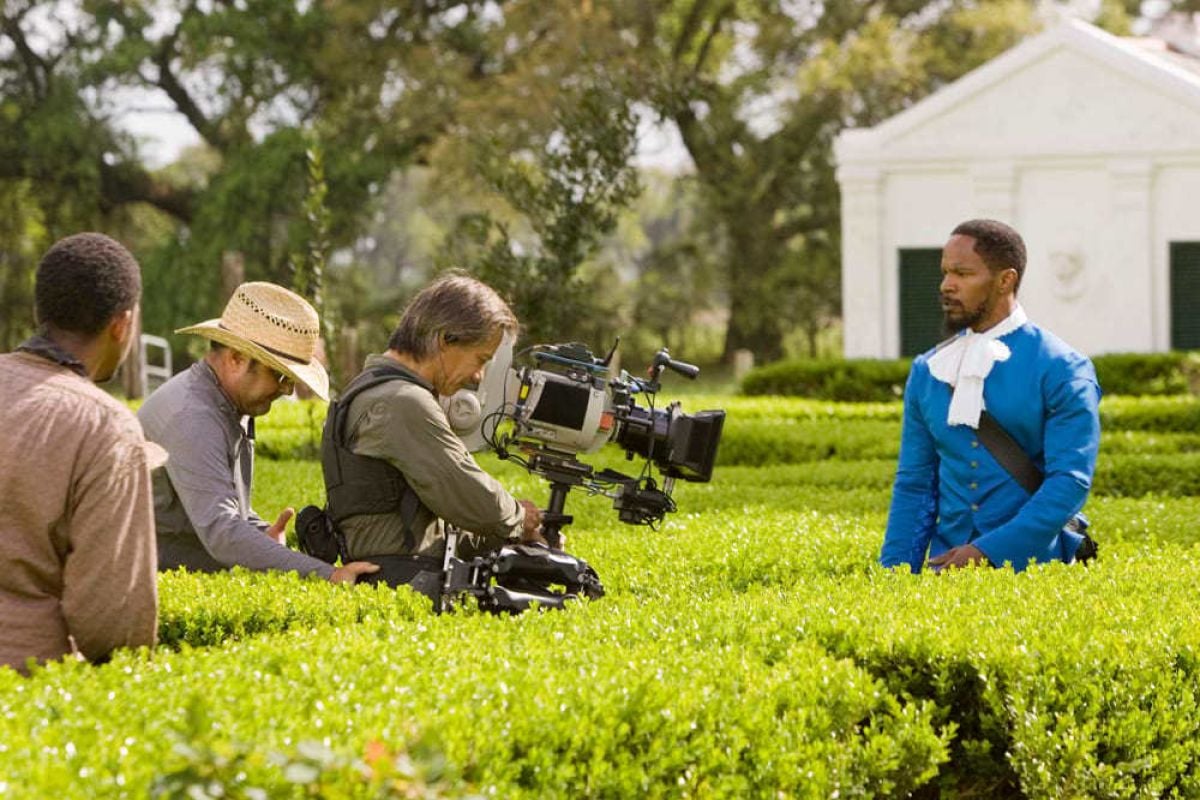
(357, 484)
(1011, 455)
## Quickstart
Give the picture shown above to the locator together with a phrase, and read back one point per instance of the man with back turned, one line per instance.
(76, 521)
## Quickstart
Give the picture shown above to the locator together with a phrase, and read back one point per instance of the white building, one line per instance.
(1088, 144)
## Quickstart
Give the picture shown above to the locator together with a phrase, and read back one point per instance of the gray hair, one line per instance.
(456, 309)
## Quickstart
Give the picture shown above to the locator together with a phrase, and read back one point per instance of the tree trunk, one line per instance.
(755, 305)
(750, 329)
(233, 273)
(133, 381)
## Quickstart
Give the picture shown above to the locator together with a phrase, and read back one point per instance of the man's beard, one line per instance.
(965, 320)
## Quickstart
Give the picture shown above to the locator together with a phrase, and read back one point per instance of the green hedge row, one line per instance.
(1066, 682)
(1144, 373)
(200, 610)
(799, 682)
(1152, 414)
(750, 648)
(606, 700)
(765, 442)
(845, 380)
(1175, 414)
(766, 430)
(880, 380)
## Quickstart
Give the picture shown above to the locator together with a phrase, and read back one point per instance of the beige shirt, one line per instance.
(77, 553)
(403, 424)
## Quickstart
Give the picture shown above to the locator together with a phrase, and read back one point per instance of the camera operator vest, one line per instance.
(356, 484)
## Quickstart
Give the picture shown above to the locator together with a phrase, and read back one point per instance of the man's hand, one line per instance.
(533, 518)
(348, 573)
(537, 538)
(278, 531)
(532, 531)
(967, 554)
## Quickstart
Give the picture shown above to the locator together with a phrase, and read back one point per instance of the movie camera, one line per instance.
(543, 416)
(567, 403)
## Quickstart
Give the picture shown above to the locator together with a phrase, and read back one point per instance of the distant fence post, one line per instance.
(132, 381)
(233, 272)
(347, 353)
(743, 362)
(160, 373)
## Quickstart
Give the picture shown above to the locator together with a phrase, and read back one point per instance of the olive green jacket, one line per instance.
(403, 424)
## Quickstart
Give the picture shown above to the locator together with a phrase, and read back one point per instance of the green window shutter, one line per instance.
(1185, 295)
(920, 306)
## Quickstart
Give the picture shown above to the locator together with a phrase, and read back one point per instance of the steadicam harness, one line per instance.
(356, 484)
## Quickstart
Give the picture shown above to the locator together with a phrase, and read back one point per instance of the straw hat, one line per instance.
(273, 326)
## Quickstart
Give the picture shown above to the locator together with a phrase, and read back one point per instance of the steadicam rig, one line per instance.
(542, 416)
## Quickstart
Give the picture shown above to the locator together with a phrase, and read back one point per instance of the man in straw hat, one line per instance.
(395, 472)
(262, 346)
(77, 520)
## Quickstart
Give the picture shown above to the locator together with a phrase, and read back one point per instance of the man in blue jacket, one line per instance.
(952, 501)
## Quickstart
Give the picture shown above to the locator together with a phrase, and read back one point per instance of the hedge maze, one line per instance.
(750, 648)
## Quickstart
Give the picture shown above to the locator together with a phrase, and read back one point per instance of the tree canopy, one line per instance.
(525, 114)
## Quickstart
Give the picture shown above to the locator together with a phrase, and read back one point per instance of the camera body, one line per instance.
(564, 403)
(567, 402)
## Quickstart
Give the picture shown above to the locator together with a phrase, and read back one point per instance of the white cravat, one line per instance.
(966, 361)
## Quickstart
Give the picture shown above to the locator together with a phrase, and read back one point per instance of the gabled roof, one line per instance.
(1172, 78)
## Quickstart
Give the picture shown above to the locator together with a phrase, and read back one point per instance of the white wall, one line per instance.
(1097, 232)
(1081, 278)
(1086, 146)
(922, 209)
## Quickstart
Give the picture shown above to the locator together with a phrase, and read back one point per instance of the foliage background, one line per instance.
(499, 136)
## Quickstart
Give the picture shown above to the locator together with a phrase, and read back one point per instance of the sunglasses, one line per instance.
(280, 378)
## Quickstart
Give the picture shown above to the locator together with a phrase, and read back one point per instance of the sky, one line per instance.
(163, 133)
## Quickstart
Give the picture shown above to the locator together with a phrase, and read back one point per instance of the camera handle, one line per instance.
(553, 518)
(563, 471)
(445, 597)
(662, 359)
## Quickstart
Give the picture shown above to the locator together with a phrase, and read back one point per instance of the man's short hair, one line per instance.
(999, 245)
(85, 280)
(455, 308)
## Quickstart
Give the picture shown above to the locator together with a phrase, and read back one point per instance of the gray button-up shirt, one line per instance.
(202, 499)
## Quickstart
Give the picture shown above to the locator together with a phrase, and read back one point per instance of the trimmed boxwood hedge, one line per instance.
(833, 379)
(1143, 373)
(751, 647)
(875, 380)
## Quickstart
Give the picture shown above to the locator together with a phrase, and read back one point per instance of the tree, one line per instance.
(677, 290)
(532, 100)
(379, 82)
(22, 240)
(566, 190)
(758, 90)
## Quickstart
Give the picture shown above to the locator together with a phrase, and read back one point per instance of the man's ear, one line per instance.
(1008, 280)
(122, 326)
(237, 357)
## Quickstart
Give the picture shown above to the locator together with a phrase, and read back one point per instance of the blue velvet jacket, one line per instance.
(950, 491)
